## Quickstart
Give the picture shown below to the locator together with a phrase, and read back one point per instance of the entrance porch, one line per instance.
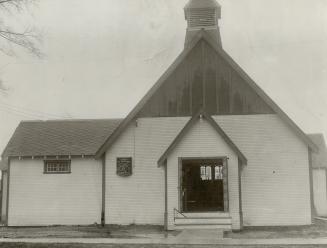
(203, 194)
(203, 178)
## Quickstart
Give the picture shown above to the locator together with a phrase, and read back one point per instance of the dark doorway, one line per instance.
(202, 186)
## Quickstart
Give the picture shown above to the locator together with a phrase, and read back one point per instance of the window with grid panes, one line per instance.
(57, 166)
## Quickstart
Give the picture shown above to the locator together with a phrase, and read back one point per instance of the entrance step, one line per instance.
(203, 221)
(205, 215)
(203, 227)
(221, 221)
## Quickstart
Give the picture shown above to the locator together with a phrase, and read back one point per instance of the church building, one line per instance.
(206, 147)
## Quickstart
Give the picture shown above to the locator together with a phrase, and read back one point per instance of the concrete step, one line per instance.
(205, 215)
(203, 221)
(203, 227)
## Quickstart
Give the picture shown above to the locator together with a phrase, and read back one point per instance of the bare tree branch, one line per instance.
(29, 38)
(3, 89)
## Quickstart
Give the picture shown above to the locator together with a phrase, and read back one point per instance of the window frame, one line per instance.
(66, 161)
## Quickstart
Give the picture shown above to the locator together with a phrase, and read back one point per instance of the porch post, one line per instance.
(240, 192)
(166, 197)
(103, 221)
(225, 184)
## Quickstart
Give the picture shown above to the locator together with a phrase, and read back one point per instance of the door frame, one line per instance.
(225, 180)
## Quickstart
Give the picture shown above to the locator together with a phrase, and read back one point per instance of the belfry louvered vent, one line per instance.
(202, 18)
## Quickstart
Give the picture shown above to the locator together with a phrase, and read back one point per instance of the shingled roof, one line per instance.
(59, 138)
(319, 159)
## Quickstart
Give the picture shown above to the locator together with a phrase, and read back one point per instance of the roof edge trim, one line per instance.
(186, 128)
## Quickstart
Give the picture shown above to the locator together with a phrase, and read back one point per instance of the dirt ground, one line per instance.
(94, 231)
(19, 245)
(318, 230)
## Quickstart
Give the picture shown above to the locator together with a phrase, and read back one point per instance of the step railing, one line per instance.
(177, 213)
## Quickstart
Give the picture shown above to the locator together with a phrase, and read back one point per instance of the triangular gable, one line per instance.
(263, 95)
(124, 124)
(190, 124)
(202, 35)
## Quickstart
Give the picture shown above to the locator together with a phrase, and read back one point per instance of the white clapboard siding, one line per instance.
(140, 198)
(202, 140)
(54, 199)
(319, 191)
(275, 183)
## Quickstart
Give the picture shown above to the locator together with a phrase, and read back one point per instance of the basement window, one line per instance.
(57, 166)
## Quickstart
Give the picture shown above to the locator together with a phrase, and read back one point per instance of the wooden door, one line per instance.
(202, 186)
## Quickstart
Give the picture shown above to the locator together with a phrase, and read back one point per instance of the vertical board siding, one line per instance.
(319, 191)
(140, 198)
(204, 79)
(202, 141)
(275, 183)
(54, 199)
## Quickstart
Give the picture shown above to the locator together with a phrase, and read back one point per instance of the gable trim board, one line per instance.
(202, 35)
(189, 124)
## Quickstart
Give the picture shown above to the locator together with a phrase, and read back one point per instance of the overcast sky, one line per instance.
(103, 55)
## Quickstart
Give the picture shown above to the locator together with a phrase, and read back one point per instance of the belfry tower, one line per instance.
(202, 15)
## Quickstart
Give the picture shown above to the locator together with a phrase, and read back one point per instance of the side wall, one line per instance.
(275, 183)
(54, 199)
(320, 191)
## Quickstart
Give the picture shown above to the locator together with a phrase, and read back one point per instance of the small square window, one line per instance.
(57, 166)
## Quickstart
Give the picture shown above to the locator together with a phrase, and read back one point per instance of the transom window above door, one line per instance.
(212, 171)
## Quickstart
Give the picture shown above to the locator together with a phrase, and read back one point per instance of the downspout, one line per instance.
(1, 200)
(103, 158)
(7, 202)
(313, 210)
(166, 197)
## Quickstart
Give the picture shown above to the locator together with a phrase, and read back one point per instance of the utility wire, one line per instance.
(26, 112)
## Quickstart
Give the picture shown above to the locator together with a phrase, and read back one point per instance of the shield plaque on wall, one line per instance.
(124, 167)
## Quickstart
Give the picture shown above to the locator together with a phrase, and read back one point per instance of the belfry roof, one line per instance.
(199, 4)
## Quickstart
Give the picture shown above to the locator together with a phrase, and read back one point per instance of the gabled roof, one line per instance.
(199, 4)
(202, 35)
(319, 159)
(59, 138)
(187, 127)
